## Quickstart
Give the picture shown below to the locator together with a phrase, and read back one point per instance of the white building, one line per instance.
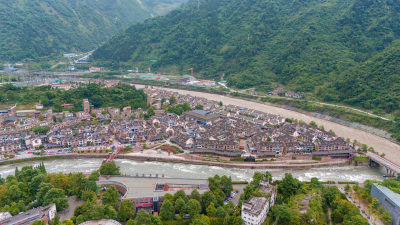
(39, 106)
(255, 210)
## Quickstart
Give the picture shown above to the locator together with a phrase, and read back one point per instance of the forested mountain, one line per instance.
(315, 46)
(36, 28)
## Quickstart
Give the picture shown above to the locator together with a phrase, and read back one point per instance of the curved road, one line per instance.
(381, 145)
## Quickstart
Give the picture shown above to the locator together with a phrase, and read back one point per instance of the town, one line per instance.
(186, 126)
(196, 125)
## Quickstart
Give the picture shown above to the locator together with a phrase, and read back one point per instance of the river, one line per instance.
(177, 170)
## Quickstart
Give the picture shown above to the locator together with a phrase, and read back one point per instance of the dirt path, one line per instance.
(380, 144)
(69, 212)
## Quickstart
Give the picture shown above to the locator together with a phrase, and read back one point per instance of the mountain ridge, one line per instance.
(304, 45)
(40, 28)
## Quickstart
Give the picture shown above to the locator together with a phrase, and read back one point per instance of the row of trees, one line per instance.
(119, 96)
(32, 187)
(206, 208)
(322, 198)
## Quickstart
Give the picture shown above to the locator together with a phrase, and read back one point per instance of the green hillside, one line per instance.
(37, 28)
(311, 46)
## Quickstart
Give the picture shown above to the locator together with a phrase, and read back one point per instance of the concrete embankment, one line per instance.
(270, 165)
(275, 165)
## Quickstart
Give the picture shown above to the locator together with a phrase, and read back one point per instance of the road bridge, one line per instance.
(392, 169)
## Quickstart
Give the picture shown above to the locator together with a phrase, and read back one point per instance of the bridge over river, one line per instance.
(392, 169)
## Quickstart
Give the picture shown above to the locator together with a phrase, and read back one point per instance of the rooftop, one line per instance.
(201, 112)
(140, 187)
(254, 205)
(101, 222)
(390, 194)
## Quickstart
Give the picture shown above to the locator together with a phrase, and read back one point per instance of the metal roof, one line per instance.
(389, 194)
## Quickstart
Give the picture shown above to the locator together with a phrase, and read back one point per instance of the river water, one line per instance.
(177, 170)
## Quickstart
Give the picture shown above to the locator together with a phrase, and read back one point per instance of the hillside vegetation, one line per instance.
(38, 28)
(336, 50)
(119, 96)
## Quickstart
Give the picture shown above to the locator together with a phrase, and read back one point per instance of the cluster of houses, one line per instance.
(226, 130)
(283, 92)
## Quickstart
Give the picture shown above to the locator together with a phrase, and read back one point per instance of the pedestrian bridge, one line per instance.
(392, 169)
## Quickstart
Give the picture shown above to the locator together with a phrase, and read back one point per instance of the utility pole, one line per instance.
(198, 5)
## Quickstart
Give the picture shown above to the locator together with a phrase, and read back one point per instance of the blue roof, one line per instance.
(390, 194)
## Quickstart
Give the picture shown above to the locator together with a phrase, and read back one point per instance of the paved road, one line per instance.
(384, 162)
(323, 103)
(361, 206)
(380, 144)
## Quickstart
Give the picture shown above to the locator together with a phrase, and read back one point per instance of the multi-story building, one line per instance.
(86, 106)
(255, 210)
(45, 213)
(389, 200)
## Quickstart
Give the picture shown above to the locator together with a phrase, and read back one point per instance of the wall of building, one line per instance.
(387, 203)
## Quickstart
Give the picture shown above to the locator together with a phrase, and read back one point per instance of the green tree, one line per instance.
(193, 208)
(88, 196)
(36, 182)
(180, 206)
(221, 213)
(283, 213)
(94, 176)
(43, 189)
(374, 203)
(268, 177)
(347, 188)
(111, 197)
(201, 107)
(39, 222)
(57, 196)
(167, 210)
(195, 195)
(180, 194)
(143, 218)
(200, 221)
(126, 210)
(168, 197)
(211, 210)
(207, 198)
(289, 186)
(131, 222)
(172, 100)
(226, 184)
(109, 169)
(355, 220)
(387, 219)
(67, 222)
(156, 220)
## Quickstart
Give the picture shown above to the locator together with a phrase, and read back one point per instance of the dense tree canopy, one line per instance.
(35, 28)
(119, 96)
(337, 50)
(109, 169)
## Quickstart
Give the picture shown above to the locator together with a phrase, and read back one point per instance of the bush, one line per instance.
(109, 169)
(316, 158)
(240, 182)
(239, 159)
(347, 182)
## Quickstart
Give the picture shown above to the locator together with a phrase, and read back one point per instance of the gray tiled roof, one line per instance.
(390, 194)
